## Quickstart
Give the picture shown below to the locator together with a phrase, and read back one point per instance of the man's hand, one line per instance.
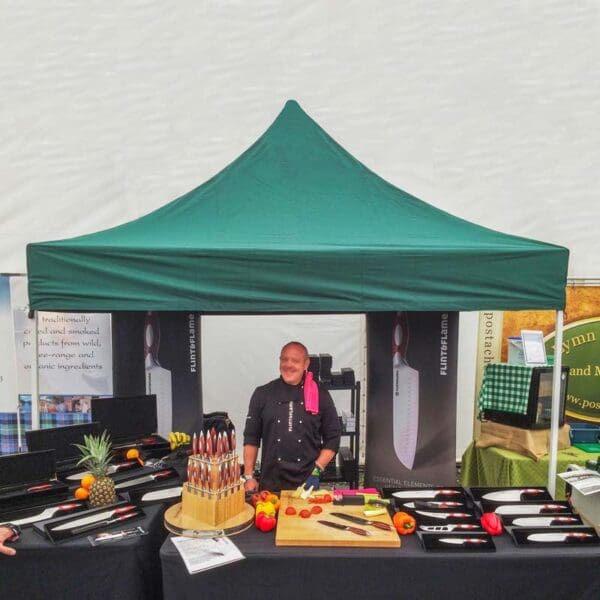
(6, 534)
(313, 480)
(251, 485)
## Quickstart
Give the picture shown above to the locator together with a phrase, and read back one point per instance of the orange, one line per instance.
(132, 453)
(81, 493)
(87, 481)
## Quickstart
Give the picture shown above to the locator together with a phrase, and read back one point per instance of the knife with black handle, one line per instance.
(361, 521)
(355, 530)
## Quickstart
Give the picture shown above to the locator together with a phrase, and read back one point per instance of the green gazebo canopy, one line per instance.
(296, 224)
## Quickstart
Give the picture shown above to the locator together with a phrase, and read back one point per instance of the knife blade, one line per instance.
(528, 509)
(424, 493)
(543, 521)
(158, 380)
(362, 521)
(440, 504)
(455, 527)
(143, 479)
(405, 400)
(163, 494)
(450, 515)
(462, 541)
(511, 495)
(111, 469)
(356, 530)
(558, 537)
(45, 514)
(105, 523)
(95, 517)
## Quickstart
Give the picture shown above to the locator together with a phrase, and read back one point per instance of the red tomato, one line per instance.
(264, 495)
(304, 513)
(290, 510)
(315, 510)
(327, 498)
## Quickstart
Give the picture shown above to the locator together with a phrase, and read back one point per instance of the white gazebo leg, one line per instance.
(556, 384)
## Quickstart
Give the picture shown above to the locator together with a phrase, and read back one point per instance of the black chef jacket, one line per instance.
(291, 437)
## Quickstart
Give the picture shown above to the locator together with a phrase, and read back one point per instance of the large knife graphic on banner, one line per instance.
(158, 380)
(405, 384)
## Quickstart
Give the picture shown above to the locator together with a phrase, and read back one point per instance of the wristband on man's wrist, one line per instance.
(247, 477)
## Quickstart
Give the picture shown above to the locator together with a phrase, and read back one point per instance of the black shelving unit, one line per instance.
(348, 469)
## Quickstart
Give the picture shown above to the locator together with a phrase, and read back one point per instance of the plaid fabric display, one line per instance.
(505, 387)
(9, 441)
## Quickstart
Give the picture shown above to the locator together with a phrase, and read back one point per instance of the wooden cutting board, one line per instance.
(293, 530)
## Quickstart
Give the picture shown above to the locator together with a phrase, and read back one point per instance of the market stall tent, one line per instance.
(298, 225)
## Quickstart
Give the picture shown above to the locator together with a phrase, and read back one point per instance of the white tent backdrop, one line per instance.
(486, 110)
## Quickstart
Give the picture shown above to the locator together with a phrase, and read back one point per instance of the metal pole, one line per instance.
(35, 374)
(556, 385)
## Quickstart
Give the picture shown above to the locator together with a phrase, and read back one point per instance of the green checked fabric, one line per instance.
(505, 387)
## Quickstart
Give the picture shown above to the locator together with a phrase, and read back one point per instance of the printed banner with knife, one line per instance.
(412, 399)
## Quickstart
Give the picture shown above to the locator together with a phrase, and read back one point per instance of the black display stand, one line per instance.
(348, 469)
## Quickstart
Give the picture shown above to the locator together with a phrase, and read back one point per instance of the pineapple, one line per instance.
(96, 455)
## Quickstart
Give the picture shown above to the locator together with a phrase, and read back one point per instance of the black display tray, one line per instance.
(433, 542)
(54, 509)
(457, 494)
(441, 517)
(520, 536)
(121, 518)
(551, 507)
(554, 520)
(126, 467)
(149, 446)
(478, 493)
(35, 493)
(141, 496)
(155, 477)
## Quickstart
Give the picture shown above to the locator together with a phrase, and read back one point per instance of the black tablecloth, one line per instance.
(371, 573)
(129, 569)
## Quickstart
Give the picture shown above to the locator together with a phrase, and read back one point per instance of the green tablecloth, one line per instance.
(497, 467)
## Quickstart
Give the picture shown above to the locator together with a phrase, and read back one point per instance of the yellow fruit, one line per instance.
(132, 453)
(87, 481)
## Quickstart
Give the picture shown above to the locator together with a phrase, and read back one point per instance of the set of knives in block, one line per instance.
(449, 518)
(533, 519)
(446, 517)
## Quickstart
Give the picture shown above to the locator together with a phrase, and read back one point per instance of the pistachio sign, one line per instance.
(581, 353)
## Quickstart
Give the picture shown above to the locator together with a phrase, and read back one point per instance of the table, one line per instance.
(381, 573)
(126, 570)
(498, 467)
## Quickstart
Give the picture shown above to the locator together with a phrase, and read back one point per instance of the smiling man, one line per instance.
(296, 424)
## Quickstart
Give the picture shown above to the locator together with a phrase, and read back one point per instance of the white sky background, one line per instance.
(486, 110)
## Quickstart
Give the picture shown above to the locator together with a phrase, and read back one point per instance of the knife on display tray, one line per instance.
(45, 514)
(568, 536)
(130, 464)
(544, 521)
(425, 493)
(512, 495)
(435, 504)
(105, 523)
(356, 530)
(450, 515)
(361, 521)
(38, 488)
(143, 479)
(405, 400)
(107, 514)
(448, 528)
(529, 509)
(163, 494)
(463, 541)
